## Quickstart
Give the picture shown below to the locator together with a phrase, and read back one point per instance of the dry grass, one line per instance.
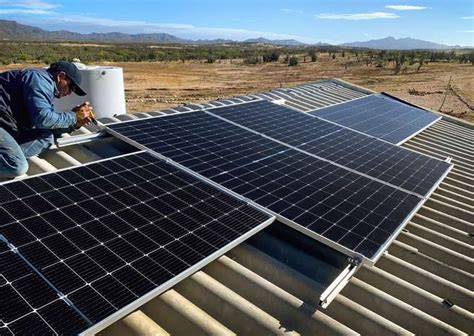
(154, 86)
(159, 85)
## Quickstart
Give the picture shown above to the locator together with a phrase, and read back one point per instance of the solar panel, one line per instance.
(346, 210)
(81, 247)
(388, 163)
(379, 116)
(28, 296)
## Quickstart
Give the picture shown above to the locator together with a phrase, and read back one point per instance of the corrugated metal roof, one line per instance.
(423, 284)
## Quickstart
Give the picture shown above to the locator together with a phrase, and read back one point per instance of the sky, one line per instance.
(448, 22)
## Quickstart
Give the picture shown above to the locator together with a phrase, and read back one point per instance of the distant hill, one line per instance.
(12, 30)
(277, 42)
(391, 43)
(214, 41)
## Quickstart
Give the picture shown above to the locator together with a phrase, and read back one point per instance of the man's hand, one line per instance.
(84, 114)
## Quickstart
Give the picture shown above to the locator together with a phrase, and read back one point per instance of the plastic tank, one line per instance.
(105, 91)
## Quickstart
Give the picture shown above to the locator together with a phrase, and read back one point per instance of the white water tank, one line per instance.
(105, 91)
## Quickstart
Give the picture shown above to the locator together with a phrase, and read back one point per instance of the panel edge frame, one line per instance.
(172, 282)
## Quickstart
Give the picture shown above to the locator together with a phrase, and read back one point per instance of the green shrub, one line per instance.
(313, 54)
(271, 56)
(211, 58)
(293, 61)
(251, 59)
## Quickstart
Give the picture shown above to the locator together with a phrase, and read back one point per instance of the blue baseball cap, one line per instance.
(72, 73)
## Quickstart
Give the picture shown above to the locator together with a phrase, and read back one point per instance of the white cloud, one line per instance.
(405, 7)
(467, 17)
(466, 31)
(30, 4)
(291, 11)
(25, 11)
(40, 13)
(358, 16)
(120, 23)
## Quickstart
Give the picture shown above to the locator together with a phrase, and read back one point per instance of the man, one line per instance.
(28, 121)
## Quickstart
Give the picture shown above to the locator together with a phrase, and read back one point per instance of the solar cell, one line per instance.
(379, 116)
(389, 163)
(337, 206)
(29, 302)
(73, 254)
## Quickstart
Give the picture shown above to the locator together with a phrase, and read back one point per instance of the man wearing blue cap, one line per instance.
(28, 120)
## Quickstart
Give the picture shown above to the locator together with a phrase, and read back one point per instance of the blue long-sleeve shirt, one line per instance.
(27, 101)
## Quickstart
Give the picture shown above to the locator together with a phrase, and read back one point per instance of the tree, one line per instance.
(420, 62)
(382, 55)
(211, 58)
(151, 56)
(293, 61)
(411, 58)
(403, 58)
(312, 54)
(271, 56)
(399, 60)
(470, 57)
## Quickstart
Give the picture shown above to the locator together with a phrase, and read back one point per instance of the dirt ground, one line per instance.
(155, 86)
(159, 85)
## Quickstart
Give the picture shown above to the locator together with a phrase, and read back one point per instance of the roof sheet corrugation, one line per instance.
(305, 97)
(423, 284)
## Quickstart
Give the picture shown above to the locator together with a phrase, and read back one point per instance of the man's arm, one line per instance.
(38, 93)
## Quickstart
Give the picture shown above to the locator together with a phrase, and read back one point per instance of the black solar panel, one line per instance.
(30, 306)
(379, 116)
(389, 163)
(79, 245)
(332, 204)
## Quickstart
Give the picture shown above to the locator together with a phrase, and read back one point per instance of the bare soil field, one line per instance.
(155, 86)
(152, 86)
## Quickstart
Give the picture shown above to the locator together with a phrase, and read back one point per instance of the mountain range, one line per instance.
(392, 43)
(12, 30)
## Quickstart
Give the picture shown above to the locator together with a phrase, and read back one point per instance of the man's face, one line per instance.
(63, 85)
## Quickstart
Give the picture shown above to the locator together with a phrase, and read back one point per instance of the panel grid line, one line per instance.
(410, 171)
(155, 223)
(380, 116)
(187, 141)
(326, 160)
